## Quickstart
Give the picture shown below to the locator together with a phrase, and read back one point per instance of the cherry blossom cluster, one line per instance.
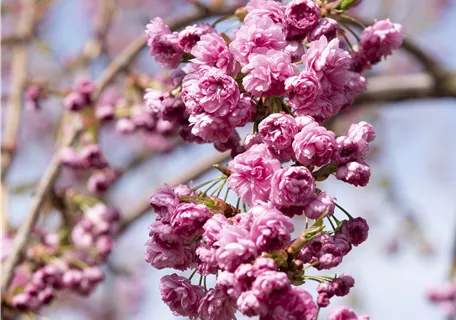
(287, 69)
(63, 262)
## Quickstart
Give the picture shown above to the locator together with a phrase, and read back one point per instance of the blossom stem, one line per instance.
(221, 188)
(224, 18)
(351, 31)
(311, 265)
(209, 188)
(348, 40)
(344, 211)
(332, 225)
(354, 21)
(226, 194)
(205, 285)
(206, 183)
(318, 278)
(193, 273)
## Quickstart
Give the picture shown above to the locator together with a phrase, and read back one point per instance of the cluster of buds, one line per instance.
(81, 98)
(33, 97)
(287, 71)
(90, 158)
(63, 262)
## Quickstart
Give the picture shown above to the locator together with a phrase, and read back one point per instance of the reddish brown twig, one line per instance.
(45, 185)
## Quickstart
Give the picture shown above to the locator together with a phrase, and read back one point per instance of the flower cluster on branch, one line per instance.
(287, 69)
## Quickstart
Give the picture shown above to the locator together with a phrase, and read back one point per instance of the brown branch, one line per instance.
(192, 174)
(13, 40)
(18, 81)
(430, 64)
(382, 89)
(124, 59)
(44, 187)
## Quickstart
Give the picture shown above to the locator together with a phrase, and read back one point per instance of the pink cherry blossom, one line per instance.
(180, 295)
(252, 173)
(292, 186)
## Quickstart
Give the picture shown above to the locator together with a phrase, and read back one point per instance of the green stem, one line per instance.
(205, 286)
(237, 203)
(332, 225)
(344, 211)
(311, 265)
(353, 20)
(201, 280)
(226, 194)
(209, 188)
(207, 182)
(318, 278)
(191, 276)
(223, 19)
(351, 31)
(348, 40)
(220, 188)
(337, 220)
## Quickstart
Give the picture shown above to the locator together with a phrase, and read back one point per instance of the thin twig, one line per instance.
(187, 176)
(18, 82)
(45, 185)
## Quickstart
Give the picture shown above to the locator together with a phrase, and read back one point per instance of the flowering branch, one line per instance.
(440, 83)
(44, 187)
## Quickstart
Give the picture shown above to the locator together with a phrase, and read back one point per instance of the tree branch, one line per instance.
(124, 59)
(45, 185)
(430, 64)
(382, 89)
(16, 39)
(18, 81)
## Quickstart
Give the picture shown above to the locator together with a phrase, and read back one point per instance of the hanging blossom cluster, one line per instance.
(287, 69)
(62, 262)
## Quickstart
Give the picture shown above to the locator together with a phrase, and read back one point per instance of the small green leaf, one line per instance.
(346, 4)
